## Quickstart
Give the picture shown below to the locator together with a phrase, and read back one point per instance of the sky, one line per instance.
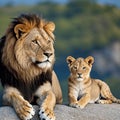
(112, 2)
(31, 2)
(28, 2)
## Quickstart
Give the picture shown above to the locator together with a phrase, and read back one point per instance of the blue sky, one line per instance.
(30, 2)
(113, 2)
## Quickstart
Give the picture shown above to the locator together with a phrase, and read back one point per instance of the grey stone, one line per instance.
(64, 112)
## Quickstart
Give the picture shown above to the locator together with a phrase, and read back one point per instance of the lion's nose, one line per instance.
(48, 54)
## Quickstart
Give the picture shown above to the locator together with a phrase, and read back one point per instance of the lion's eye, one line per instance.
(84, 68)
(75, 67)
(49, 41)
(35, 42)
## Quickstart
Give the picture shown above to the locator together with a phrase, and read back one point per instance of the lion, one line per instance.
(26, 67)
(82, 89)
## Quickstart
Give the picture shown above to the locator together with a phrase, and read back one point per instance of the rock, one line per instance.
(64, 112)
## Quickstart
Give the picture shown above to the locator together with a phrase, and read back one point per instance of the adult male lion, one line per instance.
(26, 67)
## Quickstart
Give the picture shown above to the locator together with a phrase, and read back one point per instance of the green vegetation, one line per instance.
(81, 26)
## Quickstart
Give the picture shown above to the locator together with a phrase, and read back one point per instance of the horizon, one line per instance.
(33, 2)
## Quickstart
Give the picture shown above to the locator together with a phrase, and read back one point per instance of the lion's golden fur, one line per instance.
(27, 70)
(26, 66)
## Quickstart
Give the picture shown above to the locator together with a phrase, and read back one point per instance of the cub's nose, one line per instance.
(79, 75)
(48, 54)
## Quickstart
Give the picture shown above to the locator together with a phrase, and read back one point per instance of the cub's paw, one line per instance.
(81, 106)
(75, 105)
(25, 110)
(46, 114)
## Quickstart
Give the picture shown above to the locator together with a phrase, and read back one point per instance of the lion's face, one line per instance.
(37, 48)
(28, 48)
(80, 68)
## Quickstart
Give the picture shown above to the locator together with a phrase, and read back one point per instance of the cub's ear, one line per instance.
(70, 59)
(89, 60)
(50, 26)
(19, 30)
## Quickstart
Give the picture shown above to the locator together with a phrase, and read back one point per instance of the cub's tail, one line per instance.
(116, 100)
(106, 92)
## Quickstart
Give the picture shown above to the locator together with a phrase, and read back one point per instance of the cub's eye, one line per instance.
(84, 68)
(75, 67)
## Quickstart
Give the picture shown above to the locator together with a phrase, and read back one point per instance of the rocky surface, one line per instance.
(64, 112)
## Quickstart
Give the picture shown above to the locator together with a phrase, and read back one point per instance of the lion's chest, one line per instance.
(26, 88)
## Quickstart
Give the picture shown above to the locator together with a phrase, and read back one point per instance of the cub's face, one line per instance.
(37, 48)
(80, 68)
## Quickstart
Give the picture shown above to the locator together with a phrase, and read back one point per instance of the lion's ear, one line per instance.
(70, 59)
(50, 26)
(19, 30)
(89, 60)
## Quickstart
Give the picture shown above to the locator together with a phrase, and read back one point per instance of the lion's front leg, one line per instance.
(56, 88)
(22, 107)
(47, 101)
(46, 109)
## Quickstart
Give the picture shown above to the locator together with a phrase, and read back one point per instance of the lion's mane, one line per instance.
(13, 74)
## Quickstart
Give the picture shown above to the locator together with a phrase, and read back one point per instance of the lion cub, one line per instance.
(82, 88)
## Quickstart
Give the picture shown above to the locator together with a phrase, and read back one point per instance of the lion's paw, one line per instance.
(25, 111)
(46, 114)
